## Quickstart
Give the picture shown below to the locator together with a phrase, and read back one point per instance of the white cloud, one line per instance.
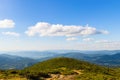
(7, 23)
(88, 39)
(11, 34)
(101, 45)
(71, 39)
(47, 29)
(103, 41)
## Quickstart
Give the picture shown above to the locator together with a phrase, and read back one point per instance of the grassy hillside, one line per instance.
(62, 69)
(68, 63)
(68, 66)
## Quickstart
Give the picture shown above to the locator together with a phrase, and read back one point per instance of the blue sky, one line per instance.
(59, 24)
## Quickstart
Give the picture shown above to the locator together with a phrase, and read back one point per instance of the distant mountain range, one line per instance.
(32, 54)
(15, 62)
(22, 59)
(51, 53)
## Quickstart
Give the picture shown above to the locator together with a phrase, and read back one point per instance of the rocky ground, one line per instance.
(64, 77)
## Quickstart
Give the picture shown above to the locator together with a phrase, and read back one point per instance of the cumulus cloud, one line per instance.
(11, 34)
(47, 29)
(7, 23)
(71, 39)
(88, 39)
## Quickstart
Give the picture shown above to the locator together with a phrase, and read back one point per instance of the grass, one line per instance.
(63, 66)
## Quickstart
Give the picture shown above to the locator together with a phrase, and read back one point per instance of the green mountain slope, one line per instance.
(62, 68)
(67, 66)
(68, 63)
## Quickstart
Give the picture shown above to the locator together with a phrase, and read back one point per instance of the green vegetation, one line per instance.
(11, 75)
(79, 70)
(67, 63)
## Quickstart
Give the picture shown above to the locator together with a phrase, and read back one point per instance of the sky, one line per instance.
(59, 25)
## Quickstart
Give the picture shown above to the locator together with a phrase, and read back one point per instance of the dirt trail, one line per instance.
(64, 77)
(61, 77)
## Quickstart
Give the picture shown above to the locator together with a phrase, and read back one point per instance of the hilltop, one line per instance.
(78, 69)
(62, 68)
(63, 62)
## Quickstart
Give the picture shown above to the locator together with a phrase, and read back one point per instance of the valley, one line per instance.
(22, 59)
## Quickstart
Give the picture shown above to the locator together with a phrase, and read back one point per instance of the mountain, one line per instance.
(105, 57)
(60, 62)
(52, 53)
(101, 52)
(63, 68)
(109, 60)
(15, 62)
(76, 55)
(32, 54)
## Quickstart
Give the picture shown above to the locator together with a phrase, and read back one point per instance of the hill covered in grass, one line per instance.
(62, 68)
(63, 62)
(69, 66)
